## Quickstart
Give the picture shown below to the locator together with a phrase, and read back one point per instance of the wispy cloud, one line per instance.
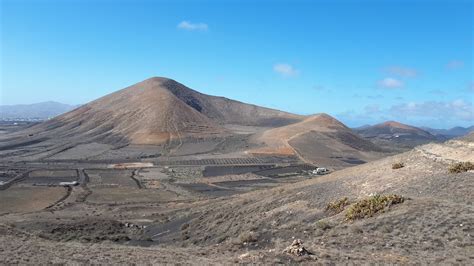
(186, 25)
(443, 114)
(401, 71)
(375, 97)
(457, 110)
(285, 70)
(391, 83)
(372, 108)
(455, 64)
(438, 92)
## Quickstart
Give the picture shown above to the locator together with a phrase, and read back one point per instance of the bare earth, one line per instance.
(434, 224)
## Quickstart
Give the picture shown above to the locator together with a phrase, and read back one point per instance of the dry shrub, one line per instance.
(323, 225)
(461, 167)
(398, 165)
(338, 205)
(248, 237)
(368, 207)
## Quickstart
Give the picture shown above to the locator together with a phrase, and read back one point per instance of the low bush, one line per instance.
(398, 165)
(461, 167)
(248, 237)
(323, 225)
(337, 206)
(368, 207)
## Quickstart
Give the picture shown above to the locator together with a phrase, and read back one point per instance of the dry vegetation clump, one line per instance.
(368, 207)
(398, 165)
(461, 167)
(337, 206)
(248, 237)
(323, 225)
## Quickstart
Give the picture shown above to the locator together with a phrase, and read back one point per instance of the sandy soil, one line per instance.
(29, 199)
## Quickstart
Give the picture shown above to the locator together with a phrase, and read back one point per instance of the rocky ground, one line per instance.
(288, 223)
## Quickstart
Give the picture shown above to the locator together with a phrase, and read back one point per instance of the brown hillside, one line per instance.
(155, 111)
(393, 127)
(319, 138)
(226, 111)
(145, 113)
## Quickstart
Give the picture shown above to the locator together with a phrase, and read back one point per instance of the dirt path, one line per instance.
(60, 201)
(83, 180)
(134, 177)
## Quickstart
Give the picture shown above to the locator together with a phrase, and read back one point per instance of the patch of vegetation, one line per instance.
(398, 165)
(337, 206)
(372, 205)
(461, 167)
(323, 225)
(248, 237)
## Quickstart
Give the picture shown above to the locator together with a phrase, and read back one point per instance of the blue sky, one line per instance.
(361, 61)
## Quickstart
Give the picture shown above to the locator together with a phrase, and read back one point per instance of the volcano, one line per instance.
(156, 111)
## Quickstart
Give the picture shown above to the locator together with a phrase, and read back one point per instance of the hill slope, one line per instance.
(227, 111)
(450, 133)
(432, 224)
(319, 138)
(396, 134)
(155, 111)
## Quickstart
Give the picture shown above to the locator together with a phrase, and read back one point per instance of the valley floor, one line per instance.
(237, 210)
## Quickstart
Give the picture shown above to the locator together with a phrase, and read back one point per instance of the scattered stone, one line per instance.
(297, 249)
(245, 255)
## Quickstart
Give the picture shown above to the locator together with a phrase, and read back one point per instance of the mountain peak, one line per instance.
(325, 120)
(395, 124)
(160, 110)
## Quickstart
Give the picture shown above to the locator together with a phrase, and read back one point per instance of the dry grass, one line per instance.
(368, 207)
(461, 167)
(398, 165)
(337, 206)
(323, 225)
(248, 237)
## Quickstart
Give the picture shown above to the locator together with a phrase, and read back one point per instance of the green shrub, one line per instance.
(461, 167)
(368, 207)
(398, 165)
(337, 206)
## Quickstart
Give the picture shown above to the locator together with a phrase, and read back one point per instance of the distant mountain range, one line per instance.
(395, 134)
(450, 133)
(36, 111)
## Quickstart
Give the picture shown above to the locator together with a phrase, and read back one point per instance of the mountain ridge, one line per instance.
(42, 110)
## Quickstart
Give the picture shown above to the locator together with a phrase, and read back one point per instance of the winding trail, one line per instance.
(134, 177)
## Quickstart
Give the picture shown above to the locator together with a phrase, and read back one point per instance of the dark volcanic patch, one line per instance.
(232, 170)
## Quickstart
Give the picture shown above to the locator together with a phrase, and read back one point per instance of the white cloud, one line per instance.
(455, 64)
(186, 25)
(285, 70)
(440, 114)
(391, 83)
(454, 110)
(405, 72)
